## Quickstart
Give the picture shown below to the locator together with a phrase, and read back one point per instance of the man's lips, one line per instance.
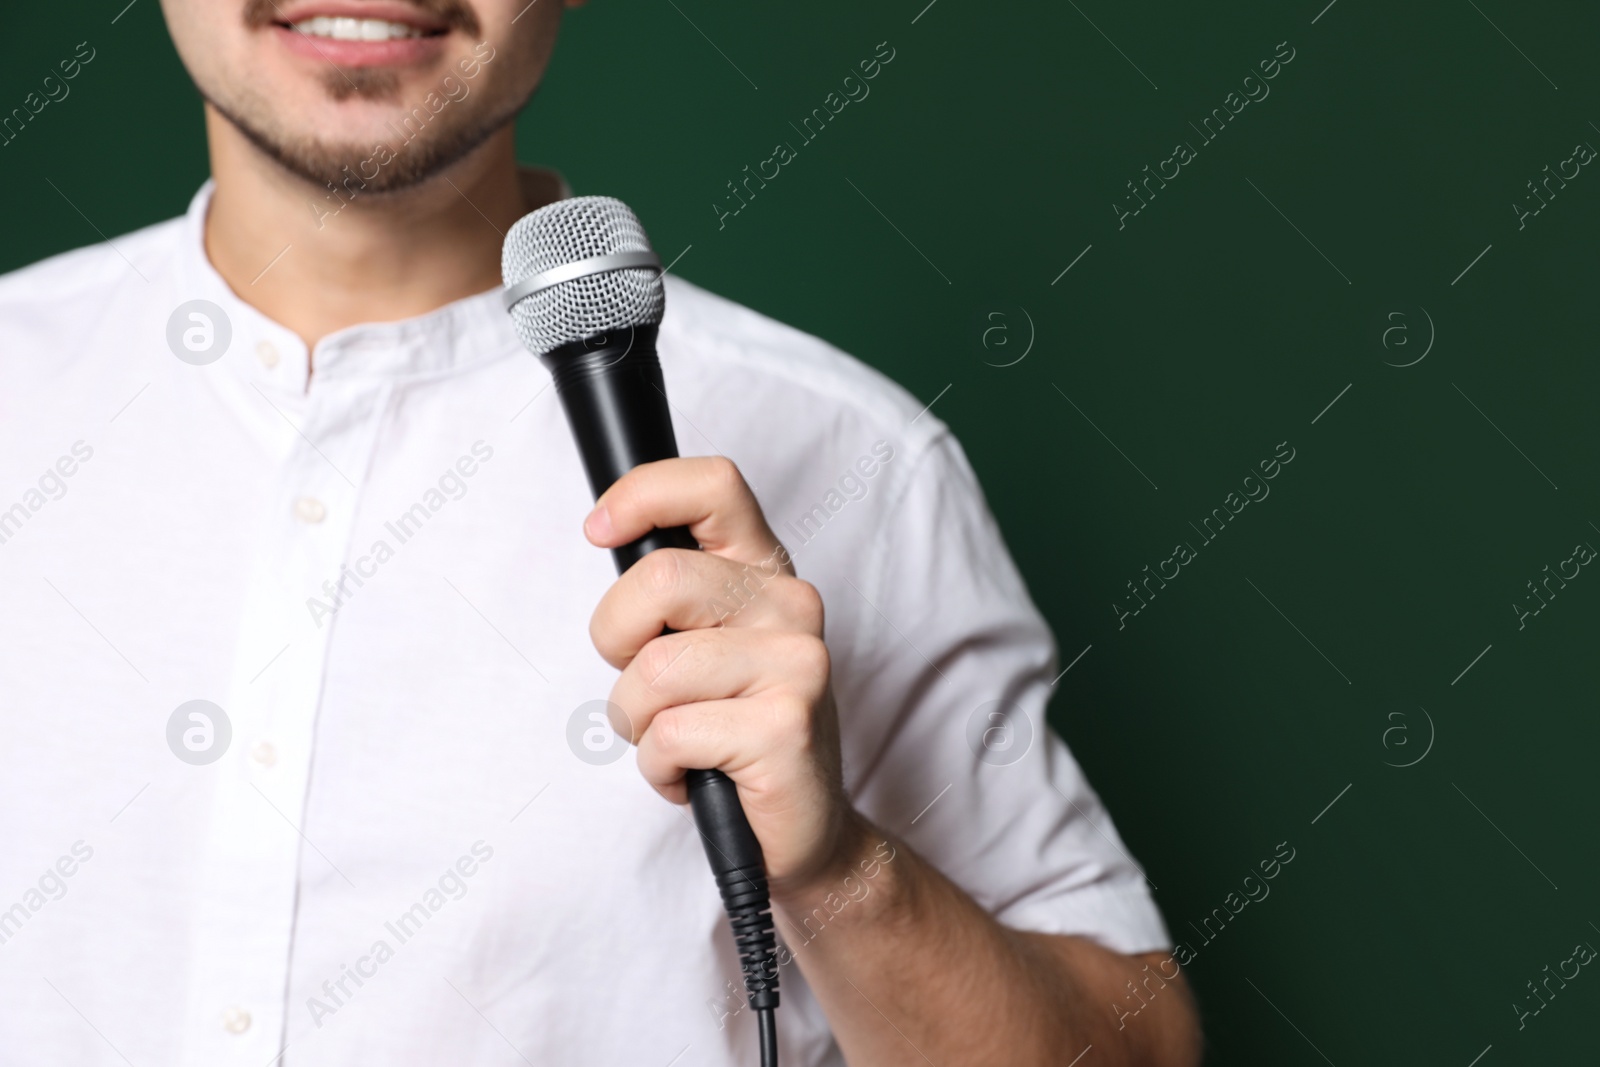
(393, 52)
(359, 33)
(296, 11)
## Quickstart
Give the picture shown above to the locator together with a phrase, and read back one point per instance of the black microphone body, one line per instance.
(611, 388)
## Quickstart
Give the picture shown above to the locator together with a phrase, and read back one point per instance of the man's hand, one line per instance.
(743, 686)
(923, 974)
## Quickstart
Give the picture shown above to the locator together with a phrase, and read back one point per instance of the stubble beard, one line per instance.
(415, 155)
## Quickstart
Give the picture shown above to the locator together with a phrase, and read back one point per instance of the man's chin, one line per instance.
(377, 84)
(389, 154)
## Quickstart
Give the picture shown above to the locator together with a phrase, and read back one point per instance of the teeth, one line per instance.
(346, 29)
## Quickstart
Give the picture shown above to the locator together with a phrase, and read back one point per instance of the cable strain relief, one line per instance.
(748, 904)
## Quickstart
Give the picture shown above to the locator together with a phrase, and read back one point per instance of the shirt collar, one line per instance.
(460, 334)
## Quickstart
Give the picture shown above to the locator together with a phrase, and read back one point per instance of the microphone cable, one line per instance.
(769, 1037)
(740, 872)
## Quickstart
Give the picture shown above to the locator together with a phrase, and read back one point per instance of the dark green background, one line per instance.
(1197, 338)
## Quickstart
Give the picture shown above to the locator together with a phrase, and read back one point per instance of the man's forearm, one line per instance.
(910, 970)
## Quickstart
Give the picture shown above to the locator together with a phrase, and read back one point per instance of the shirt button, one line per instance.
(309, 509)
(236, 1020)
(267, 354)
(264, 753)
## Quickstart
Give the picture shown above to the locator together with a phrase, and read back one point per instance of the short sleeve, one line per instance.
(942, 702)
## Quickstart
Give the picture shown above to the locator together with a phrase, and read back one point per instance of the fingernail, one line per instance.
(598, 525)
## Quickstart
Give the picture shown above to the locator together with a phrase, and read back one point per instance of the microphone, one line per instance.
(583, 287)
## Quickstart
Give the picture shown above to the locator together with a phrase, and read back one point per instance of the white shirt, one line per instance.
(397, 854)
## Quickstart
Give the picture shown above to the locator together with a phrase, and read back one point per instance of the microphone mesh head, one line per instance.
(564, 232)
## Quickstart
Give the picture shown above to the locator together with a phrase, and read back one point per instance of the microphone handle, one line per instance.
(615, 400)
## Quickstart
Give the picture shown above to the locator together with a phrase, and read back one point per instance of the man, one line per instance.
(309, 704)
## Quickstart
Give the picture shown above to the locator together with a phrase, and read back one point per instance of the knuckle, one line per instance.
(791, 719)
(603, 636)
(725, 476)
(809, 655)
(620, 720)
(804, 602)
(657, 658)
(626, 497)
(607, 633)
(668, 732)
(776, 564)
(662, 573)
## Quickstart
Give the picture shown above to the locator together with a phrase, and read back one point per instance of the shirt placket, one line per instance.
(259, 851)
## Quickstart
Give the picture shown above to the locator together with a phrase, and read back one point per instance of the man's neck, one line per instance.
(317, 262)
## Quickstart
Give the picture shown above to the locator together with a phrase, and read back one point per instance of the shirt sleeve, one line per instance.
(942, 705)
